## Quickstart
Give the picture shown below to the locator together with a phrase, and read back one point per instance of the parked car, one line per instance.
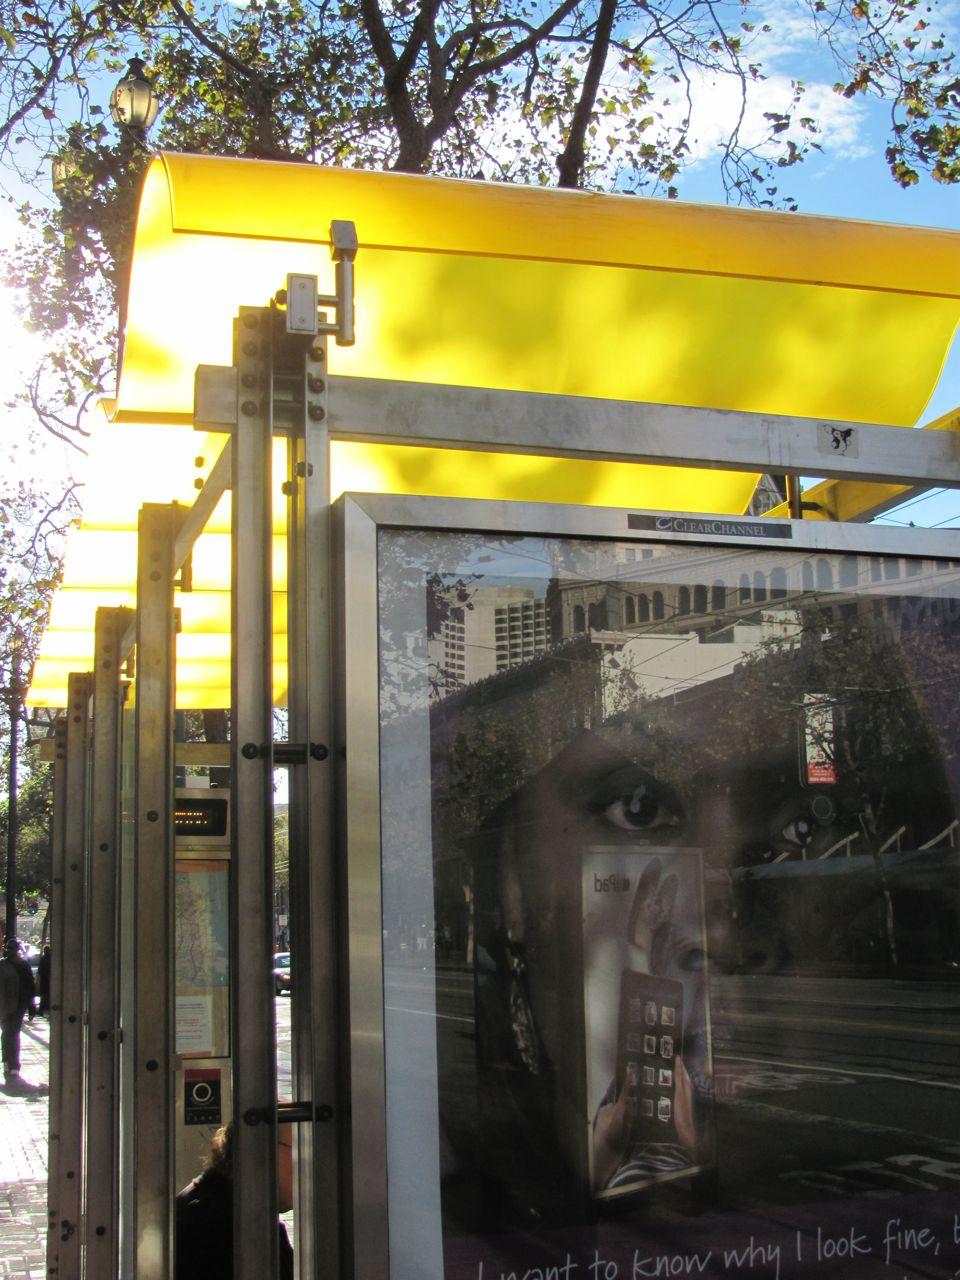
(281, 972)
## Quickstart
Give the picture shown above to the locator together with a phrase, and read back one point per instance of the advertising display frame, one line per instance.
(358, 520)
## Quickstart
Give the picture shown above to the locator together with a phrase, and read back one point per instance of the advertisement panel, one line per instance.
(670, 909)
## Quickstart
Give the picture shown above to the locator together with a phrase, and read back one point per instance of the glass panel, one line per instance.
(670, 917)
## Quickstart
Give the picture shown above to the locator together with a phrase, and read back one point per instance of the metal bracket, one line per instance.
(285, 753)
(302, 298)
(289, 1113)
(303, 1112)
(215, 396)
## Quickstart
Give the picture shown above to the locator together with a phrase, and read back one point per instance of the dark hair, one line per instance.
(220, 1157)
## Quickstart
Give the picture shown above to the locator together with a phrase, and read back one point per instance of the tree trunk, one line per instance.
(572, 159)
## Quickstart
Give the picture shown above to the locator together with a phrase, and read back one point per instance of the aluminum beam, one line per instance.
(153, 1040)
(316, 1006)
(358, 839)
(862, 500)
(58, 835)
(102, 1114)
(70, 1126)
(251, 843)
(553, 520)
(618, 430)
(196, 516)
(191, 754)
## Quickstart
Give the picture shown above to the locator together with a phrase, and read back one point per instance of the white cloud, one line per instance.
(717, 100)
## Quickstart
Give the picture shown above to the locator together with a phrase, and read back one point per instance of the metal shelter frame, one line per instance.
(279, 385)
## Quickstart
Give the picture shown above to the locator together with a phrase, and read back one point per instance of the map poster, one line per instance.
(202, 958)
(194, 1024)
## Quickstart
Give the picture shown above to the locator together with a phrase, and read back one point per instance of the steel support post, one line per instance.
(126, 958)
(251, 785)
(312, 874)
(153, 1022)
(102, 1127)
(57, 851)
(357, 755)
(70, 1127)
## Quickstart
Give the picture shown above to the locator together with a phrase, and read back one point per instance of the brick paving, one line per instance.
(23, 1163)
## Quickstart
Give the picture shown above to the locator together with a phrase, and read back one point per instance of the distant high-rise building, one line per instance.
(496, 628)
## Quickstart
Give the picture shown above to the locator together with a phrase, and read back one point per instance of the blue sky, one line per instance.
(847, 178)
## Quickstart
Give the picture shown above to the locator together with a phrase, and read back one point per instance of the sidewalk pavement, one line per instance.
(23, 1163)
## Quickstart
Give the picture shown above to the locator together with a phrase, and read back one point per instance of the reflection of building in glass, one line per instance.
(659, 666)
(648, 599)
(496, 628)
(717, 709)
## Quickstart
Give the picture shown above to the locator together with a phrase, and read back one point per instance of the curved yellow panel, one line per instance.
(483, 285)
(516, 477)
(533, 290)
(269, 201)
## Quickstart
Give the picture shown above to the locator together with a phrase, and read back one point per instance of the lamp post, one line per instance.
(134, 103)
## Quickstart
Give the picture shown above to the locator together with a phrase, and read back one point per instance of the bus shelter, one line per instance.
(623, 909)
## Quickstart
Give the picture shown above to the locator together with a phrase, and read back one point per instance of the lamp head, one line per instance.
(134, 103)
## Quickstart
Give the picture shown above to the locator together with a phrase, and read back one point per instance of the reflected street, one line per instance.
(824, 1087)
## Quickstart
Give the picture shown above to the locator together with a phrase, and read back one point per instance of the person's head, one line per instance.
(11, 948)
(220, 1160)
(220, 1156)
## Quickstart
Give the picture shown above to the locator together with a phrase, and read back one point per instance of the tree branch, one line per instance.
(413, 148)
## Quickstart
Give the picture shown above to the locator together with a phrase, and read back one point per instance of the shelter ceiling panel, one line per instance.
(145, 462)
(203, 644)
(265, 200)
(513, 477)
(561, 292)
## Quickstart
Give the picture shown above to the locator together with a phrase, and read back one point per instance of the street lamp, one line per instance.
(66, 164)
(134, 103)
(15, 692)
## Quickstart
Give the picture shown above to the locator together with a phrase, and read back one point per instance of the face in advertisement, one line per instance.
(594, 857)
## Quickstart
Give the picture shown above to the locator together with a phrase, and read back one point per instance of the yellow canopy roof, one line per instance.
(490, 285)
(480, 285)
